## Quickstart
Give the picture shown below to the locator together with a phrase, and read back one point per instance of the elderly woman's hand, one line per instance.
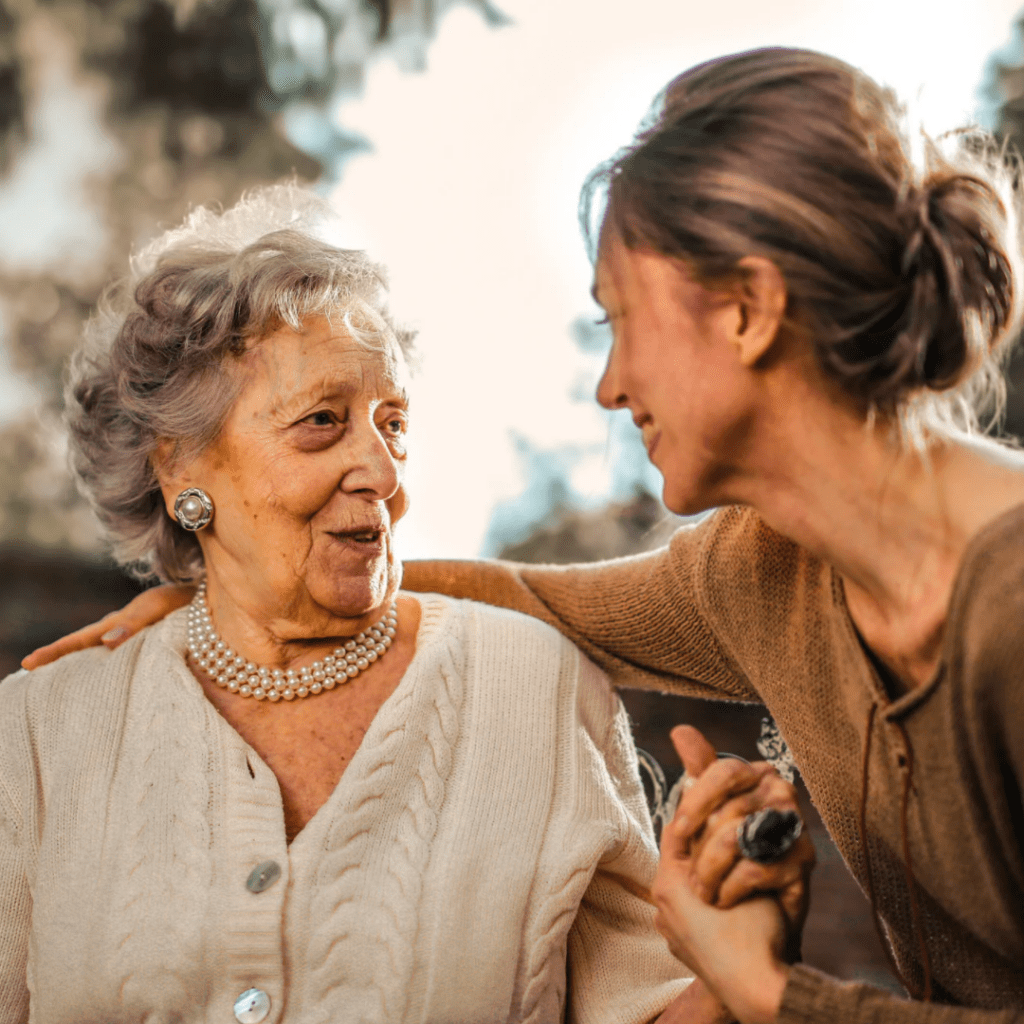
(112, 630)
(705, 828)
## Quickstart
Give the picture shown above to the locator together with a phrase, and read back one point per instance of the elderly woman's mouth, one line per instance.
(359, 538)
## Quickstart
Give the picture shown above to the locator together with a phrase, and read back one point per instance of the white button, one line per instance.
(252, 1006)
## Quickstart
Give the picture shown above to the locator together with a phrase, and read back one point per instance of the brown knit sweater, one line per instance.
(732, 610)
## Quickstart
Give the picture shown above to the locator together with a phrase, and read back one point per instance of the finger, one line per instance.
(694, 751)
(87, 636)
(770, 791)
(716, 785)
(116, 627)
(748, 877)
(717, 857)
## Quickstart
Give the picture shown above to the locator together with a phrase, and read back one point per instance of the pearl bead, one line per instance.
(288, 694)
(302, 691)
(317, 687)
(192, 507)
(328, 683)
(273, 696)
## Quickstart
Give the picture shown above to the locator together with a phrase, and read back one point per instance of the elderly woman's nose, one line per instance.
(371, 465)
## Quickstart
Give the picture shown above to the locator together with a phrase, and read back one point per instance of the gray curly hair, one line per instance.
(153, 364)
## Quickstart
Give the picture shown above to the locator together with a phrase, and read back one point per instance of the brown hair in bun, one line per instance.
(904, 272)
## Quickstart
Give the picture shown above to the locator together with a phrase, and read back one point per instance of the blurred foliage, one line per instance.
(200, 100)
(1004, 86)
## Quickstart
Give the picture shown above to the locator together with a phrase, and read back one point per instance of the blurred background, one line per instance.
(452, 138)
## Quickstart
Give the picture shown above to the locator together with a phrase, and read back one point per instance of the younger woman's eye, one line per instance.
(604, 320)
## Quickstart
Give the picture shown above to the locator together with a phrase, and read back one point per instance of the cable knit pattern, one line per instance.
(460, 857)
(429, 727)
(544, 970)
(166, 859)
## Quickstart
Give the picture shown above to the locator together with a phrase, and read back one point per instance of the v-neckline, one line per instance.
(425, 635)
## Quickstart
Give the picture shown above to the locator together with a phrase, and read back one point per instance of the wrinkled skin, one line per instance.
(306, 477)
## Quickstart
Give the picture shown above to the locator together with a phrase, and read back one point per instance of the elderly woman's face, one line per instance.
(307, 479)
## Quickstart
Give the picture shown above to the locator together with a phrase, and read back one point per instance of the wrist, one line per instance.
(762, 998)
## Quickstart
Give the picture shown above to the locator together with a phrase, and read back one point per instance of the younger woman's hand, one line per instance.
(112, 630)
(737, 953)
(706, 823)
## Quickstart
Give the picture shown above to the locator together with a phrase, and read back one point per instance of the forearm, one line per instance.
(637, 618)
(814, 998)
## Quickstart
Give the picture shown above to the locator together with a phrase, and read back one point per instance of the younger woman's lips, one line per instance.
(652, 444)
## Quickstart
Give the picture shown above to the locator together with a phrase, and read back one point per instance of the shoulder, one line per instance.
(986, 616)
(506, 651)
(507, 633)
(59, 714)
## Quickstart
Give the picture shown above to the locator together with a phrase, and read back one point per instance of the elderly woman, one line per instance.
(308, 796)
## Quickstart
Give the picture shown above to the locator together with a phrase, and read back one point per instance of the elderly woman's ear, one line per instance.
(184, 498)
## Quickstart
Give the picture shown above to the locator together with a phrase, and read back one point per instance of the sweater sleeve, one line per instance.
(642, 619)
(15, 898)
(814, 998)
(620, 968)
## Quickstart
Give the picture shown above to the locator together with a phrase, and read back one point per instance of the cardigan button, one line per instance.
(252, 1006)
(263, 876)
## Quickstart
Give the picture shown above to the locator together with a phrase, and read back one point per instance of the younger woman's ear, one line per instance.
(762, 306)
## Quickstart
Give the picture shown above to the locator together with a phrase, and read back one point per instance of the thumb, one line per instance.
(694, 751)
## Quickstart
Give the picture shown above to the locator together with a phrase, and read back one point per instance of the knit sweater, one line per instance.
(486, 840)
(732, 610)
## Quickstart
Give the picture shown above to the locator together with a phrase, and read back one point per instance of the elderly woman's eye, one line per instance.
(396, 425)
(324, 418)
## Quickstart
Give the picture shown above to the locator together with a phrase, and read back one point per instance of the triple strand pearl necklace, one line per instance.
(234, 673)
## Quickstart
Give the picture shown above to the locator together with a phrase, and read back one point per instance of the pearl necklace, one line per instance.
(234, 673)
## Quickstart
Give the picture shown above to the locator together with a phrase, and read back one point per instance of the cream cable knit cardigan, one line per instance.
(489, 829)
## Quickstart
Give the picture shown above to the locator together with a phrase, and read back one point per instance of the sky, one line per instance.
(469, 194)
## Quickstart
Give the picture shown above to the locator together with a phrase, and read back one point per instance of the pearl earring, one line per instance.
(193, 508)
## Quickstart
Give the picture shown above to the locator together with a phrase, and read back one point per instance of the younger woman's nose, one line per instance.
(609, 390)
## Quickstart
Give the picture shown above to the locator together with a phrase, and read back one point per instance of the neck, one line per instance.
(287, 640)
(893, 521)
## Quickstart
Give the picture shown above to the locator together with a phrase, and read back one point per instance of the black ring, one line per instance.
(767, 835)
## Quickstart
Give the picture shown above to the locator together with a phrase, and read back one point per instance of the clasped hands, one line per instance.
(735, 923)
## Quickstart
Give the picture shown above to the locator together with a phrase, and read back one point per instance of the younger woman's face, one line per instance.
(672, 364)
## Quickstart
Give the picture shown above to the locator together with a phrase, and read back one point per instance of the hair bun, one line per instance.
(961, 282)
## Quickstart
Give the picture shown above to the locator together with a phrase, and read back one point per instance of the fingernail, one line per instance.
(115, 635)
